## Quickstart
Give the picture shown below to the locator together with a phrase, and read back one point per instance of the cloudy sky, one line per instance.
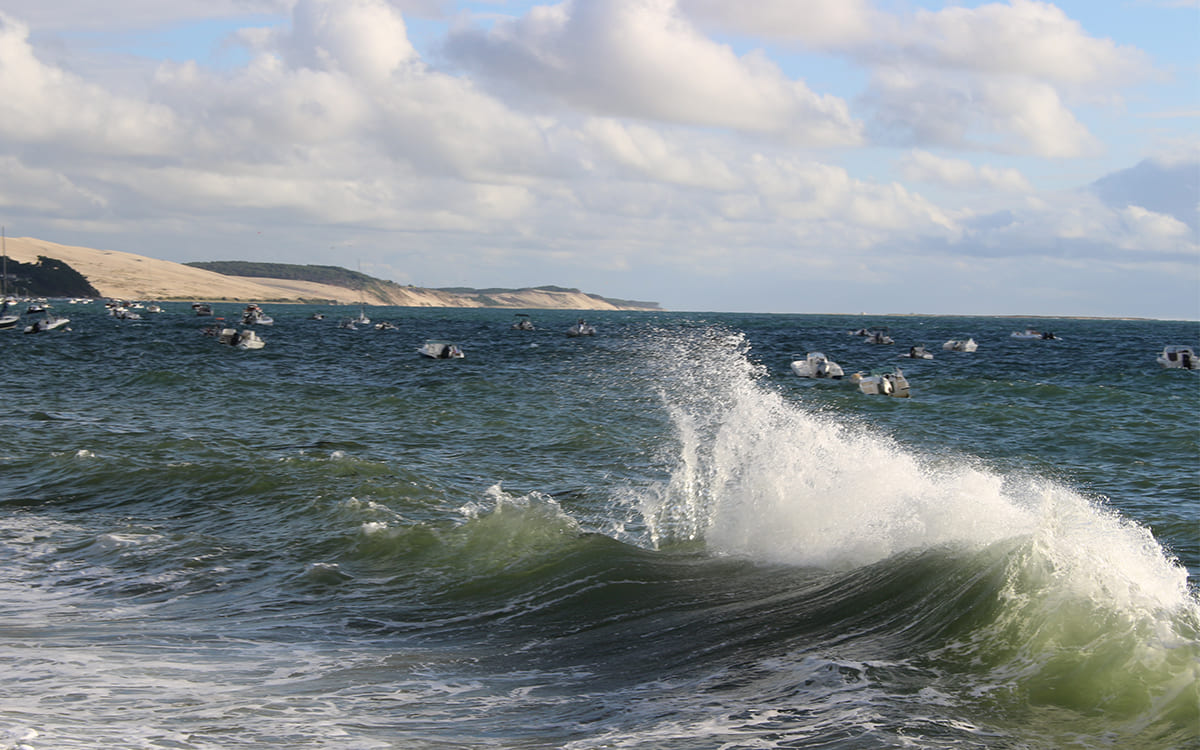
(1017, 157)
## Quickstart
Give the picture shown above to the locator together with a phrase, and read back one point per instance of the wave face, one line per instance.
(654, 538)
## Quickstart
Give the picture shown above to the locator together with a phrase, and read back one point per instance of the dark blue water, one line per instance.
(654, 537)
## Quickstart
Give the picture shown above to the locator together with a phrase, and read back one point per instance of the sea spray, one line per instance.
(1093, 615)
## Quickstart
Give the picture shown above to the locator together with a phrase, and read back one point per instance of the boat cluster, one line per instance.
(893, 382)
(878, 382)
(38, 316)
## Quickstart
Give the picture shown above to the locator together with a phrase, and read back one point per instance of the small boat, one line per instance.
(254, 315)
(1032, 333)
(317, 316)
(440, 350)
(348, 324)
(817, 365)
(7, 319)
(960, 345)
(245, 339)
(202, 309)
(892, 384)
(1178, 357)
(581, 328)
(917, 352)
(50, 322)
(385, 326)
(523, 323)
(879, 337)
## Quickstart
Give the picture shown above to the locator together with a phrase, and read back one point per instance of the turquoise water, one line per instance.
(655, 537)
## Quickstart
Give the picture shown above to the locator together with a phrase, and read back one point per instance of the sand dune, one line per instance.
(135, 277)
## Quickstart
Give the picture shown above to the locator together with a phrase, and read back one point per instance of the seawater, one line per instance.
(654, 537)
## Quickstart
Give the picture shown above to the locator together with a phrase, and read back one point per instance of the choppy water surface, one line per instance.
(656, 537)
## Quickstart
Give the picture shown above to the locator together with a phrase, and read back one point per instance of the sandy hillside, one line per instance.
(136, 277)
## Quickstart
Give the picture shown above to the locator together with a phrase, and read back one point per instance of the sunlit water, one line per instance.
(654, 537)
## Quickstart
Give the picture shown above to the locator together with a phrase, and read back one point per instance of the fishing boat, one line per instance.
(244, 339)
(49, 322)
(917, 352)
(817, 365)
(960, 345)
(254, 315)
(1034, 334)
(523, 323)
(435, 349)
(581, 328)
(879, 337)
(892, 384)
(1178, 357)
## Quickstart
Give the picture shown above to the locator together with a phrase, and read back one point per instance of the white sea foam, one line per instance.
(760, 476)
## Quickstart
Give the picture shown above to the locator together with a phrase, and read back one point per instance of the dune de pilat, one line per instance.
(125, 275)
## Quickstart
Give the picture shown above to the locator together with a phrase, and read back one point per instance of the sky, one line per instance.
(775, 156)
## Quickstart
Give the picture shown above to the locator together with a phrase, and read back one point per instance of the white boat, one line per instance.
(1180, 357)
(440, 350)
(1033, 333)
(385, 326)
(202, 309)
(960, 345)
(7, 319)
(879, 337)
(254, 315)
(892, 384)
(245, 339)
(817, 365)
(50, 322)
(523, 323)
(917, 352)
(581, 328)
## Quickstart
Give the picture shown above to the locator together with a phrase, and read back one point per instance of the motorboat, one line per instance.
(202, 309)
(7, 319)
(244, 339)
(317, 316)
(879, 337)
(254, 315)
(960, 345)
(119, 311)
(892, 384)
(917, 352)
(817, 365)
(1033, 333)
(1179, 357)
(385, 326)
(522, 323)
(435, 349)
(581, 328)
(49, 322)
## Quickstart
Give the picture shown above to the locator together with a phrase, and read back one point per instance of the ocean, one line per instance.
(654, 537)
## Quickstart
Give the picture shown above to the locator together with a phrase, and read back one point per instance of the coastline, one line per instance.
(121, 275)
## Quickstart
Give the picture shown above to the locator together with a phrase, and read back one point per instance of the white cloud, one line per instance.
(1024, 37)
(362, 38)
(46, 105)
(922, 166)
(821, 24)
(644, 59)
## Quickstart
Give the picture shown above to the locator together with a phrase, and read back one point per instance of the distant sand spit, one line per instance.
(135, 277)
